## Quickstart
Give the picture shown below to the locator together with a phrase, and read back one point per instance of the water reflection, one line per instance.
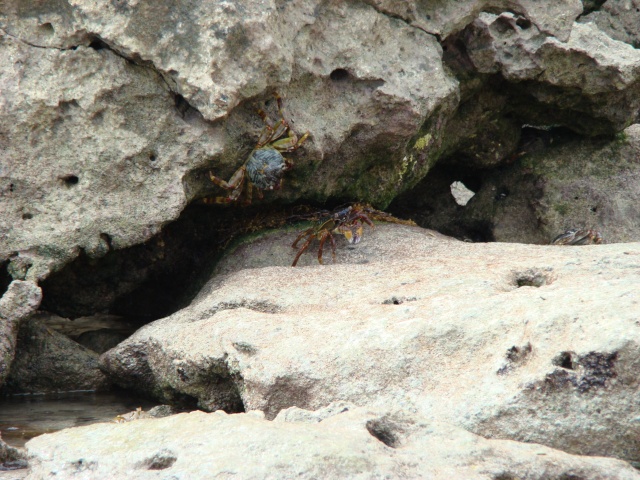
(23, 417)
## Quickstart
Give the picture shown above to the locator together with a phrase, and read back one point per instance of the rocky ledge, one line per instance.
(338, 442)
(424, 336)
(499, 360)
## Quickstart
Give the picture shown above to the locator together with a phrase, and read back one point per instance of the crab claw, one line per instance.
(353, 234)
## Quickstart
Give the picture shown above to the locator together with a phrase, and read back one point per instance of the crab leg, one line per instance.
(302, 249)
(249, 193)
(306, 232)
(333, 247)
(323, 239)
(290, 143)
(234, 182)
(267, 134)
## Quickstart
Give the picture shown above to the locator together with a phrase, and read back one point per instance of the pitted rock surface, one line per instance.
(356, 443)
(113, 116)
(470, 333)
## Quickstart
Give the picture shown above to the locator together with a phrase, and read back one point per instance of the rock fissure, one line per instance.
(30, 44)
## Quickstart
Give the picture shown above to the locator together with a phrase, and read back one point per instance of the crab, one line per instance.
(265, 166)
(581, 236)
(346, 221)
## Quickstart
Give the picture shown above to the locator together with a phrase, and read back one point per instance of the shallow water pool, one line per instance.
(23, 417)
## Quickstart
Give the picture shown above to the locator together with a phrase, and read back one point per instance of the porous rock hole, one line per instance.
(383, 431)
(533, 278)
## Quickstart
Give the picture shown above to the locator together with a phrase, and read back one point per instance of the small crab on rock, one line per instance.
(581, 236)
(345, 221)
(265, 166)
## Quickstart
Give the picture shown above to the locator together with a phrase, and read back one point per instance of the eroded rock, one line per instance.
(460, 310)
(589, 83)
(47, 361)
(17, 304)
(620, 19)
(358, 443)
(94, 154)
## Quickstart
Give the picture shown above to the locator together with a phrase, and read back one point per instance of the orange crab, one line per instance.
(265, 166)
(346, 221)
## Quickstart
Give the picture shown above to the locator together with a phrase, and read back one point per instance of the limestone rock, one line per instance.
(47, 361)
(445, 18)
(359, 444)
(17, 304)
(620, 19)
(591, 80)
(113, 116)
(514, 341)
(559, 184)
(93, 155)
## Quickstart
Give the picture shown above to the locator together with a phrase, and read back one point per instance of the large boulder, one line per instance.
(354, 443)
(112, 116)
(532, 343)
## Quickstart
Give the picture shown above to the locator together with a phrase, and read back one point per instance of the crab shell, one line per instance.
(265, 168)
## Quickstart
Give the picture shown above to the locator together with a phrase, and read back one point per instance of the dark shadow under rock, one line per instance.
(47, 361)
(560, 181)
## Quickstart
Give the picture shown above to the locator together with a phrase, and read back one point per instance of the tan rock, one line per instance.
(532, 343)
(358, 444)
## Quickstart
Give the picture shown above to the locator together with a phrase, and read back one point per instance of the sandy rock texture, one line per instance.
(527, 343)
(113, 116)
(356, 443)
(93, 154)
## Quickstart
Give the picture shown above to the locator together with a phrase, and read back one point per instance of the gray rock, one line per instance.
(17, 304)
(445, 18)
(96, 157)
(47, 361)
(590, 82)
(100, 341)
(11, 458)
(567, 183)
(122, 124)
(497, 338)
(359, 444)
(122, 111)
(620, 19)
